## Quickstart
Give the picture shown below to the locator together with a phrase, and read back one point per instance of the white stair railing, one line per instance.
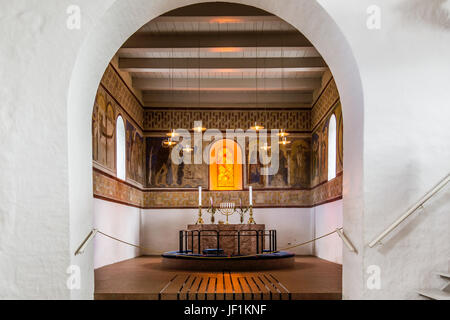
(410, 211)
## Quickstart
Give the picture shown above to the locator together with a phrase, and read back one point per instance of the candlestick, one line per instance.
(250, 195)
(200, 219)
(251, 220)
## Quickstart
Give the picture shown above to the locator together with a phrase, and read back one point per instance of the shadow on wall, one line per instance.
(432, 12)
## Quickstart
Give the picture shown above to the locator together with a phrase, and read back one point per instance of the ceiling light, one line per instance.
(283, 133)
(172, 134)
(284, 141)
(168, 143)
(199, 129)
(188, 149)
(257, 127)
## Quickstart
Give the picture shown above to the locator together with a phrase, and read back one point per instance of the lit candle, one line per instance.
(200, 196)
(250, 195)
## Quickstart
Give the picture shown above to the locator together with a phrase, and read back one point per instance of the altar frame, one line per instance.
(186, 240)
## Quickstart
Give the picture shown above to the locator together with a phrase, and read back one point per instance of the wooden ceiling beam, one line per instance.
(222, 64)
(216, 40)
(210, 97)
(263, 84)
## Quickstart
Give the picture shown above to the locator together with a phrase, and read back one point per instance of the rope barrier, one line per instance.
(218, 257)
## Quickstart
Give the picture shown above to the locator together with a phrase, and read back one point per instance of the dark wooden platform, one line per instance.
(144, 278)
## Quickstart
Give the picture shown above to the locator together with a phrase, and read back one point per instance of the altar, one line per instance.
(225, 239)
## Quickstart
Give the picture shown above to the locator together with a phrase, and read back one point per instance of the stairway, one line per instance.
(438, 294)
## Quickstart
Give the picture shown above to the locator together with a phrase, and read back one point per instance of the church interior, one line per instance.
(224, 227)
(186, 150)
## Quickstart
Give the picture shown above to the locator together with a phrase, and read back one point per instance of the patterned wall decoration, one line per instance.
(326, 192)
(326, 100)
(106, 110)
(107, 187)
(296, 120)
(114, 84)
(153, 181)
(110, 188)
(319, 152)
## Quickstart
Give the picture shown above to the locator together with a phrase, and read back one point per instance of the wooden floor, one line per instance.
(144, 278)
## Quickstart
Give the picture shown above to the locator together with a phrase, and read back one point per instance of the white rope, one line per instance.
(232, 257)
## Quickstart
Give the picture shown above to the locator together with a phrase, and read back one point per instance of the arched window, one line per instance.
(332, 148)
(120, 148)
(225, 166)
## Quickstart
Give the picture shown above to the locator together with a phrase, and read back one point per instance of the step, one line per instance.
(434, 294)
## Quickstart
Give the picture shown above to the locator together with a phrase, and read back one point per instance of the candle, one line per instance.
(210, 200)
(250, 195)
(200, 196)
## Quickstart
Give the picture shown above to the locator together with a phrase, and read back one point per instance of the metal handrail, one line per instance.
(441, 184)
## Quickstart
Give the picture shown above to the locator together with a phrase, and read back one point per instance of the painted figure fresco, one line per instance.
(163, 173)
(299, 163)
(319, 147)
(103, 132)
(324, 150)
(340, 139)
(315, 158)
(255, 179)
(280, 179)
(135, 153)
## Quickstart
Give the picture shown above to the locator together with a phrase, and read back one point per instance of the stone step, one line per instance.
(434, 294)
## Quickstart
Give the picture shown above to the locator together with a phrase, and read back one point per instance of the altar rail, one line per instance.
(186, 237)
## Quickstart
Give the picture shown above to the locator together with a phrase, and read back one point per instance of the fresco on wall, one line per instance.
(340, 139)
(293, 171)
(103, 132)
(163, 173)
(319, 147)
(299, 163)
(135, 154)
(254, 176)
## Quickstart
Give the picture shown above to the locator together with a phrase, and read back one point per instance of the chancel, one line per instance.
(227, 156)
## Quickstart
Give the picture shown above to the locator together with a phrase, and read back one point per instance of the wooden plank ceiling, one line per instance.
(222, 54)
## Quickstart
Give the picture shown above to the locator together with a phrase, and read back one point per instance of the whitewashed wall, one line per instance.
(328, 217)
(122, 222)
(160, 227)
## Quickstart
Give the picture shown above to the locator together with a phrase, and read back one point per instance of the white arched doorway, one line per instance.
(120, 21)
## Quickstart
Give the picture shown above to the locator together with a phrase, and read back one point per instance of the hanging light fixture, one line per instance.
(198, 129)
(188, 149)
(172, 134)
(283, 133)
(284, 141)
(257, 126)
(168, 143)
(265, 147)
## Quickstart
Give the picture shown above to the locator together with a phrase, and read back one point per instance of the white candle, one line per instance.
(210, 199)
(250, 195)
(200, 196)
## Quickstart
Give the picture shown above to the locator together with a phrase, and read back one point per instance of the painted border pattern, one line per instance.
(109, 188)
